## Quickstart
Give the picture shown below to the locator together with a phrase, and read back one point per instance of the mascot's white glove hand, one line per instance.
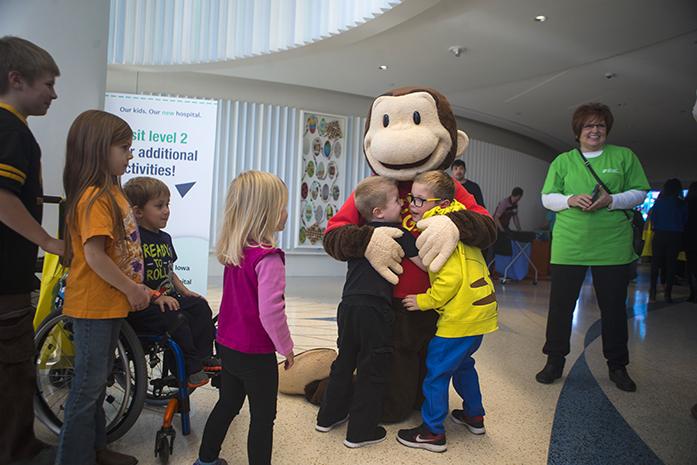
(385, 254)
(437, 241)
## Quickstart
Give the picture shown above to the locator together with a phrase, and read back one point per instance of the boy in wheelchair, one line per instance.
(173, 304)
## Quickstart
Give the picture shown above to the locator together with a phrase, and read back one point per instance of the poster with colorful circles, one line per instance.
(321, 167)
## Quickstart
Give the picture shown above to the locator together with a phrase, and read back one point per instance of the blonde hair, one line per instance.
(27, 58)
(253, 209)
(90, 139)
(371, 193)
(142, 189)
(439, 182)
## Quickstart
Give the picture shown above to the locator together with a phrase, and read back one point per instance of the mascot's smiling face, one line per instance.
(410, 131)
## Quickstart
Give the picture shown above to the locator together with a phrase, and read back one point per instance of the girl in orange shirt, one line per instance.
(105, 279)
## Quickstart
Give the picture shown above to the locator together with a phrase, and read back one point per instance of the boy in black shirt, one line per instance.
(149, 198)
(27, 77)
(364, 320)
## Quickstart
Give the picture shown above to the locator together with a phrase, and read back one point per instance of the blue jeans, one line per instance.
(84, 423)
(450, 358)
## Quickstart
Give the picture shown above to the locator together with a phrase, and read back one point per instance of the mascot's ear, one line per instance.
(462, 142)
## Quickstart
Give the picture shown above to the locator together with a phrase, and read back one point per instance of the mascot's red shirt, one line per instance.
(413, 280)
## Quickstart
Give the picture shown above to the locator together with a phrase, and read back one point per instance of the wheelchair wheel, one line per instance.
(161, 380)
(125, 391)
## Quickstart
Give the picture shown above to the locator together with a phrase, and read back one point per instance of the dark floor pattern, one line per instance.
(587, 428)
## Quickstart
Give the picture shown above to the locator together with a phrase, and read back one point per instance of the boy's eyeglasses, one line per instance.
(418, 201)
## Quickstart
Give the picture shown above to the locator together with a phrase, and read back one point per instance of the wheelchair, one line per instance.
(147, 368)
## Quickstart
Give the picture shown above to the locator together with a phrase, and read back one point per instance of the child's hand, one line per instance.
(166, 302)
(138, 296)
(290, 360)
(409, 303)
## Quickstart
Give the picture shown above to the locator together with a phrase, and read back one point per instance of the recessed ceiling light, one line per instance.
(540, 18)
(382, 67)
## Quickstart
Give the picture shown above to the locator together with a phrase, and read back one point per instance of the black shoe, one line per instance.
(421, 438)
(326, 427)
(378, 435)
(621, 378)
(693, 411)
(552, 370)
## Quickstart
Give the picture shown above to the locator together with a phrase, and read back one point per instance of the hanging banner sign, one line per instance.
(174, 141)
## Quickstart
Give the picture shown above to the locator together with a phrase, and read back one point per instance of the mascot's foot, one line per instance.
(378, 435)
(314, 391)
(326, 428)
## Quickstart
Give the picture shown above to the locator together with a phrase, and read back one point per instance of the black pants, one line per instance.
(666, 246)
(194, 334)
(691, 269)
(610, 283)
(411, 333)
(17, 386)
(244, 375)
(365, 344)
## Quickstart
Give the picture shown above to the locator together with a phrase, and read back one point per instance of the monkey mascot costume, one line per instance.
(408, 131)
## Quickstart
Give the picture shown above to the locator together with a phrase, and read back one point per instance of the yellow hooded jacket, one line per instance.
(461, 292)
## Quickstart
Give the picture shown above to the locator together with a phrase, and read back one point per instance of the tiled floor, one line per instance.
(583, 419)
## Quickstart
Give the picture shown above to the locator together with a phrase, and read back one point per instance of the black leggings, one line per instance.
(244, 375)
(610, 283)
(665, 248)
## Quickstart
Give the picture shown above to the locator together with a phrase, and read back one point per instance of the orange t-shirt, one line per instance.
(86, 294)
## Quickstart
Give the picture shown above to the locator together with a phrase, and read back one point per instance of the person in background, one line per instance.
(691, 241)
(592, 232)
(27, 79)
(507, 210)
(459, 170)
(668, 218)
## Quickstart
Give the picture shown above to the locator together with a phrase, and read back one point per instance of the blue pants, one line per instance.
(84, 423)
(450, 358)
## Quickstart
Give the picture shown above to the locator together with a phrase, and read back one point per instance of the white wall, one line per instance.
(78, 44)
(498, 170)
(267, 114)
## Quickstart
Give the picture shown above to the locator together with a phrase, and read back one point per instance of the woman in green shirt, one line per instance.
(592, 229)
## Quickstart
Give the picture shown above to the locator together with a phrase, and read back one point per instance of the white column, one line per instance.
(75, 33)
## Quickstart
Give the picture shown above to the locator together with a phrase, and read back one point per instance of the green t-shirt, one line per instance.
(601, 237)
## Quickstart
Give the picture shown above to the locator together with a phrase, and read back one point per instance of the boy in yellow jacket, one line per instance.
(463, 295)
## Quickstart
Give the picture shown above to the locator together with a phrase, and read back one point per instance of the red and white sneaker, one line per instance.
(474, 424)
(421, 438)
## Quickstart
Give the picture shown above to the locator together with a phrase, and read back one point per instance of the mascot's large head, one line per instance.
(411, 130)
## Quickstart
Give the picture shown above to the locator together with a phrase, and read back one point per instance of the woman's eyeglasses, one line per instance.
(418, 201)
(593, 126)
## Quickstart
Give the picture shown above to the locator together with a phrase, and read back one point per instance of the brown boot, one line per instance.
(109, 457)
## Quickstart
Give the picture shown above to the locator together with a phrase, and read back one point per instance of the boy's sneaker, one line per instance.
(212, 364)
(421, 438)
(217, 462)
(379, 435)
(197, 379)
(474, 424)
(324, 428)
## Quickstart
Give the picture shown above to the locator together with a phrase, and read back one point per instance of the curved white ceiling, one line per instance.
(516, 73)
(163, 32)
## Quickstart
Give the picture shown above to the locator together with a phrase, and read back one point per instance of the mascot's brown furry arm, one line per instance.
(408, 131)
